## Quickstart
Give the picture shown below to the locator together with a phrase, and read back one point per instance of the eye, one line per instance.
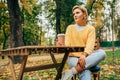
(77, 12)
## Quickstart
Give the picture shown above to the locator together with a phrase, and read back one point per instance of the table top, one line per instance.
(54, 49)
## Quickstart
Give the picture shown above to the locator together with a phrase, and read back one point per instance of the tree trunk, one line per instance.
(112, 17)
(58, 15)
(15, 27)
(15, 24)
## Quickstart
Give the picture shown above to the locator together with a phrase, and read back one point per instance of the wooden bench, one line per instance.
(96, 72)
(96, 75)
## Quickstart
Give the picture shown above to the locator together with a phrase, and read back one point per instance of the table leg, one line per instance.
(12, 67)
(23, 64)
(58, 76)
(53, 58)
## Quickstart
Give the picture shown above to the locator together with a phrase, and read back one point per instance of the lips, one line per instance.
(76, 18)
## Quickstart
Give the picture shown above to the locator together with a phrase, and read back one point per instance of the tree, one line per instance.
(15, 24)
(31, 30)
(58, 15)
(89, 5)
(66, 13)
(95, 11)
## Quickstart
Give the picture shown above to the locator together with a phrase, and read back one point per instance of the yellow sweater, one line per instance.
(84, 37)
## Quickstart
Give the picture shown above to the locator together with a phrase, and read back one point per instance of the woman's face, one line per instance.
(78, 15)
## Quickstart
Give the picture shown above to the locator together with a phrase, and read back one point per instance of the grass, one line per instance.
(112, 59)
(110, 67)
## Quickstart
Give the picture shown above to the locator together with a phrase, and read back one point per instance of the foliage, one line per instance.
(4, 26)
(89, 5)
(95, 11)
(30, 36)
(30, 27)
(49, 10)
(66, 13)
(25, 5)
(61, 12)
(30, 9)
(29, 23)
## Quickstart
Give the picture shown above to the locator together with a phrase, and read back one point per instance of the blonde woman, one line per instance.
(81, 34)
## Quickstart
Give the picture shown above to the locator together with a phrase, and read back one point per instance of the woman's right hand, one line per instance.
(81, 61)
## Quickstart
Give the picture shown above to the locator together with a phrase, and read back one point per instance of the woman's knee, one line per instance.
(72, 61)
(102, 53)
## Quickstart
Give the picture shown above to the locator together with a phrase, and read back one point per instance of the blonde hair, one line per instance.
(83, 9)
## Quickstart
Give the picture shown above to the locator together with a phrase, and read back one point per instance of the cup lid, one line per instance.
(61, 34)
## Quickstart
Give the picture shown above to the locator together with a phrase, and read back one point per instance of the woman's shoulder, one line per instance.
(71, 26)
(90, 27)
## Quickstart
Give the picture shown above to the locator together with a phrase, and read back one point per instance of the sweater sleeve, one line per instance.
(90, 41)
(67, 37)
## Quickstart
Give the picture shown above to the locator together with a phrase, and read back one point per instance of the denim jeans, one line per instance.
(91, 60)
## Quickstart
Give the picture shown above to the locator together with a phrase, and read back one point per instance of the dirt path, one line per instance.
(32, 58)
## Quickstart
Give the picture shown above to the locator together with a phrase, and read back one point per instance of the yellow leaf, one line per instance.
(2, 4)
(24, 3)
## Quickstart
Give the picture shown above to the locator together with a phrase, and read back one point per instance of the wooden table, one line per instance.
(25, 51)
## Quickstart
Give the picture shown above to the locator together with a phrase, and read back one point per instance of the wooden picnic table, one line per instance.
(25, 51)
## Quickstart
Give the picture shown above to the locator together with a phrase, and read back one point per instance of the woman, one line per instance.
(81, 34)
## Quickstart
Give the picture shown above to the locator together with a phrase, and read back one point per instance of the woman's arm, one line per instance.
(90, 41)
(67, 36)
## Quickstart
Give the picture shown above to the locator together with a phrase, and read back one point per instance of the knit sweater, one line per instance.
(83, 37)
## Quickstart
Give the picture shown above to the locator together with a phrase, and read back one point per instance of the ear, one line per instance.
(84, 16)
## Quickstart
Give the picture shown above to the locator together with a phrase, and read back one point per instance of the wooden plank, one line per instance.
(41, 47)
(58, 76)
(23, 64)
(12, 67)
(18, 51)
(53, 58)
(41, 67)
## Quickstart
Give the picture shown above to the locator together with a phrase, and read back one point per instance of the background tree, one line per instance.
(58, 15)
(4, 25)
(33, 11)
(66, 13)
(95, 11)
(30, 18)
(15, 24)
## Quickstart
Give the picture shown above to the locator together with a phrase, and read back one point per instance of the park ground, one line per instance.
(109, 71)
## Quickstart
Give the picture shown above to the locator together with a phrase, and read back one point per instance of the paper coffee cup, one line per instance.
(60, 39)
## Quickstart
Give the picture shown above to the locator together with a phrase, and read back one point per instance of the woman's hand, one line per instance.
(97, 45)
(81, 61)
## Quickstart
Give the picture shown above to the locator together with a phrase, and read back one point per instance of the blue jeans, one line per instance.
(91, 60)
